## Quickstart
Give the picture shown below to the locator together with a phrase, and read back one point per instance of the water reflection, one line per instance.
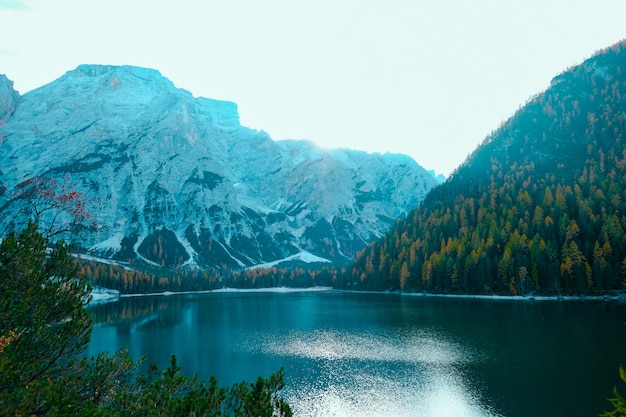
(382, 354)
(138, 310)
(413, 374)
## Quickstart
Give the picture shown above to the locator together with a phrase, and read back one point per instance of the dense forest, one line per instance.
(538, 207)
(128, 279)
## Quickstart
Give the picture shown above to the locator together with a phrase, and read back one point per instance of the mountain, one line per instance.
(439, 177)
(176, 181)
(539, 207)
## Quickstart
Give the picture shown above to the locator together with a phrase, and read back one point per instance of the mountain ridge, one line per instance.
(181, 183)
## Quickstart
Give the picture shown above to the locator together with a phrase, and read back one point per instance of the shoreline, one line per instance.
(621, 297)
(108, 295)
(230, 290)
(104, 295)
(527, 297)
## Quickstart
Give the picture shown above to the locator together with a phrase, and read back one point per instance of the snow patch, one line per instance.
(241, 264)
(275, 289)
(303, 256)
(101, 295)
(102, 260)
(231, 290)
(113, 243)
(143, 258)
(190, 251)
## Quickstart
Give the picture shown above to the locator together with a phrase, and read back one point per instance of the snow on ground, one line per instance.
(276, 289)
(102, 260)
(522, 297)
(113, 243)
(100, 295)
(303, 256)
(232, 290)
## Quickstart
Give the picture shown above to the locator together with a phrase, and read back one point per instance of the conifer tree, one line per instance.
(617, 401)
(43, 325)
(44, 328)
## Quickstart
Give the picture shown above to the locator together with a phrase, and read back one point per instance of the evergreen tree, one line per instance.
(44, 328)
(617, 401)
(536, 208)
(43, 324)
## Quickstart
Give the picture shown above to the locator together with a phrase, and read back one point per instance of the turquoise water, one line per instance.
(349, 354)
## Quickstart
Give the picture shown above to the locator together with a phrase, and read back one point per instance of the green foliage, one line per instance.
(43, 325)
(259, 399)
(44, 328)
(618, 402)
(166, 393)
(539, 207)
(134, 279)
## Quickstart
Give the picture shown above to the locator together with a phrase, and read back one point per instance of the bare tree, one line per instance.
(57, 207)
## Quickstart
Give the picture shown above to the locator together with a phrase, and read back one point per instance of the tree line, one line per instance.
(131, 279)
(539, 207)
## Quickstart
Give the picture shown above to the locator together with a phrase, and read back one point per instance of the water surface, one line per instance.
(349, 354)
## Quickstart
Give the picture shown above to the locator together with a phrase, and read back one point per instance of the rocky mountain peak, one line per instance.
(179, 182)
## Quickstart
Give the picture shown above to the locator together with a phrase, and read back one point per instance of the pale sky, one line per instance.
(425, 78)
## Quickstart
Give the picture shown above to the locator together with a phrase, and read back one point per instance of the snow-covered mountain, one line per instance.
(178, 181)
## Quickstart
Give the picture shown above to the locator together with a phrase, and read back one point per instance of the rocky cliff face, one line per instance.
(177, 181)
(8, 99)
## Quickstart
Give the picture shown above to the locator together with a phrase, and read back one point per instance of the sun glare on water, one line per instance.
(417, 374)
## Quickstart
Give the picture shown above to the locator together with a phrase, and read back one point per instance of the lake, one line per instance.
(362, 354)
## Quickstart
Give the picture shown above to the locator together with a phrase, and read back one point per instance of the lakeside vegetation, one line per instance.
(44, 330)
(129, 279)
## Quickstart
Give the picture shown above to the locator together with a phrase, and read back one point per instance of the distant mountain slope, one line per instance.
(178, 182)
(539, 207)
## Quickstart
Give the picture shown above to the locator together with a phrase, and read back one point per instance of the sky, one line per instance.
(430, 79)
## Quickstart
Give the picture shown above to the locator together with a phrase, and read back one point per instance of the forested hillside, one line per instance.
(539, 207)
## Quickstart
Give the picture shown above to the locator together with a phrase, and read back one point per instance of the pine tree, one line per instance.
(44, 328)
(617, 401)
(43, 325)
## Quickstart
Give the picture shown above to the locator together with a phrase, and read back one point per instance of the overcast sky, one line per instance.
(426, 78)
